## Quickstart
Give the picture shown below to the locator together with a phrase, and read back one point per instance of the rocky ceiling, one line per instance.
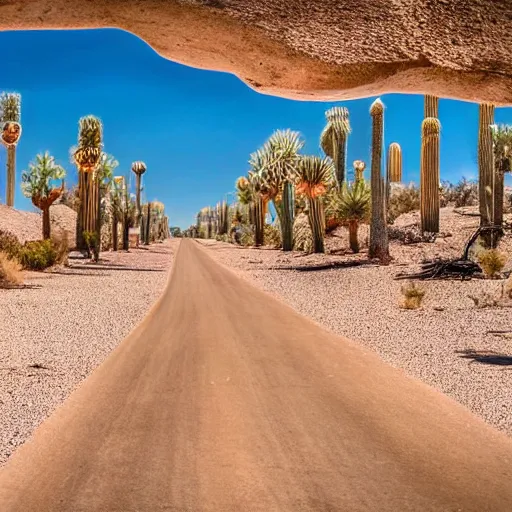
(312, 49)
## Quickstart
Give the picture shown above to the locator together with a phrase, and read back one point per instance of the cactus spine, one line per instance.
(431, 106)
(486, 169)
(429, 179)
(379, 244)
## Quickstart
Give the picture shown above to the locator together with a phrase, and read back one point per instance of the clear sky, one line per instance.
(194, 129)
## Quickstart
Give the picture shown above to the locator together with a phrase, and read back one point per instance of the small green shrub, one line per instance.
(38, 255)
(413, 296)
(492, 262)
(9, 244)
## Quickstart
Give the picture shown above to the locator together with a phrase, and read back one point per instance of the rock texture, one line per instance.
(320, 50)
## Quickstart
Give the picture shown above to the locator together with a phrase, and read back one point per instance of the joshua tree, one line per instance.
(379, 244)
(314, 175)
(502, 149)
(429, 175)
(139, 168)
(334, 140)
(354, 207)
(276, 165)
(486, 170)
(86, 158)
(10, 120)
(37, 184)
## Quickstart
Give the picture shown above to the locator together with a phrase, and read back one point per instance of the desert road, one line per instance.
(224, 399)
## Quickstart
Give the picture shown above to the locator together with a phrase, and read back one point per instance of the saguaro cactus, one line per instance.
(394, 163)
(393, 167)
(10, 121)
(431, 106)
(486, 169)
(86, 158)
(379, 243)
(429, 175)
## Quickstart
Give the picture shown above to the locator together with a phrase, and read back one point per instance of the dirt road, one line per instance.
(224, 399)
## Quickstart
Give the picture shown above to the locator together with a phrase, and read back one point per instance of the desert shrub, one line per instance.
(11, 273)
(246, 238)
(413, 296)
(492, 262)
(60, 242)
(302, 236)
(272, 236)
(38, 255)
(403, 200)
(223, 238)
(9, 243)
(484, 300)
(464, 193)
(411, 234)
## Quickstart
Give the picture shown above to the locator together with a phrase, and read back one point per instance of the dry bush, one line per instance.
(413, 296)
(9, 243)
(464, 193)
(11, 273)
(403, 200)
(484, 300)
(60, 243)
(492, 262)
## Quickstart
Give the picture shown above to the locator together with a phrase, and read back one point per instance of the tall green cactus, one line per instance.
(429, 175)
(486, 170)
(431, 106)
(10, 120)
(379, 242)
(394, 163)
(393, 167)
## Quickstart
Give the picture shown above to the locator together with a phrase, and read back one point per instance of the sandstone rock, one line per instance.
(321, 49)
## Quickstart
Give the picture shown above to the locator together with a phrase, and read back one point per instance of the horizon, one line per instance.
(194, 128)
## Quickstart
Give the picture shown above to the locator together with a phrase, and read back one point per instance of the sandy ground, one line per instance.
(225, 399)
(54, 333)
(362, 303)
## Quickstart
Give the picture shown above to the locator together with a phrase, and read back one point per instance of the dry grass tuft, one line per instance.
(413, 296)
(492, 262)
(11, 273)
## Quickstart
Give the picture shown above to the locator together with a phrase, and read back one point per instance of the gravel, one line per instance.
(362, 303)
(63, 325)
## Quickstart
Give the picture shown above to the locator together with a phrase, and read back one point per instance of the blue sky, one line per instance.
(194, 129)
